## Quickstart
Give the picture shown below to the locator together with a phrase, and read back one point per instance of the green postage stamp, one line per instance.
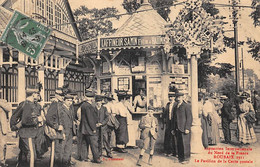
(25, 34)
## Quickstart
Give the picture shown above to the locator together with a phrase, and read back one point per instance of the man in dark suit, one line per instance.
(170, 141)
(102, 127)
(182, 120)
(60, 116)
(25, 119)
(227, 118)
(89, 120)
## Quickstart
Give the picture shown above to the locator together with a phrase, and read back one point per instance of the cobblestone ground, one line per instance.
(160, 160)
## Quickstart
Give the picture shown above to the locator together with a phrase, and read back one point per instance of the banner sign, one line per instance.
(25, 34)
(88, 47)
(135, 41)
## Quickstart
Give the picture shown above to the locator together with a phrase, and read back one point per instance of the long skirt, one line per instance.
(214, 130)
(245, 130)
(204, 127)
(122, 131)
(131, 134)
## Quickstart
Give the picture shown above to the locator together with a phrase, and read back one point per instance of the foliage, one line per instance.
(162, 6)
(91, 22)
(254, 48)
(224, 85)
(255, 15)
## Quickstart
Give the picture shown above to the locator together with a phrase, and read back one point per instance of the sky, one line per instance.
(245, 26)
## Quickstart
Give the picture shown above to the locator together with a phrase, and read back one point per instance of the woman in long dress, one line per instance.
(212, 118)
(245, 128)
(204, 122)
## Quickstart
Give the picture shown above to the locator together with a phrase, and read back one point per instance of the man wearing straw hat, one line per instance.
(5, 108)
(25, 119)
(182, 120)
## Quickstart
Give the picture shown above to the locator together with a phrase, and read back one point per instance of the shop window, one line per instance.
(123, 84)
(155, 93)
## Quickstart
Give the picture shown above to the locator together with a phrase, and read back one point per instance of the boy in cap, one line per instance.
(25, 119)
(148, 125)
(5, 108)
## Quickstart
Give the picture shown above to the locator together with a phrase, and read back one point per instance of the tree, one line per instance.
(162, 6)
(254, 48)
(253, 44)
(93, 22)
(255, 15)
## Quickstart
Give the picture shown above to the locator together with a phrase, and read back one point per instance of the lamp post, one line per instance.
(235, 20)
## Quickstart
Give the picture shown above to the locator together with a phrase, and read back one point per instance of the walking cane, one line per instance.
(52, 153)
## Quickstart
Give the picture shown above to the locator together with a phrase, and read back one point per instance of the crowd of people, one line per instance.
(99, 123)
(213, 112)
(103, 124)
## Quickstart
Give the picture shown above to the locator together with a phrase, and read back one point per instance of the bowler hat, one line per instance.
(68, 96)
(32, 89)
(99, 98)
(89, 93)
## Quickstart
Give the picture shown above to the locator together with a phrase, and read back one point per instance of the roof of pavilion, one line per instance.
(145, 22)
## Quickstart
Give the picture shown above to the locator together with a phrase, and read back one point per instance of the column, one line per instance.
(196, 131)
(41, 77)
(98, 77)
(61, 78)
(21, 78)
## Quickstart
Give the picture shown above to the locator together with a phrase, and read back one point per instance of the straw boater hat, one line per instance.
(59, 91)
(223, 97)
(32, 89)
(178, 93)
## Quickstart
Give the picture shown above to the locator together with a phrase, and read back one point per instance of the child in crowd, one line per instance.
(148, 126)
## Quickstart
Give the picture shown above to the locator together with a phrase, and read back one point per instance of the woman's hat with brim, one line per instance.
(32, 89)
(123, 94)
(109, 96)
